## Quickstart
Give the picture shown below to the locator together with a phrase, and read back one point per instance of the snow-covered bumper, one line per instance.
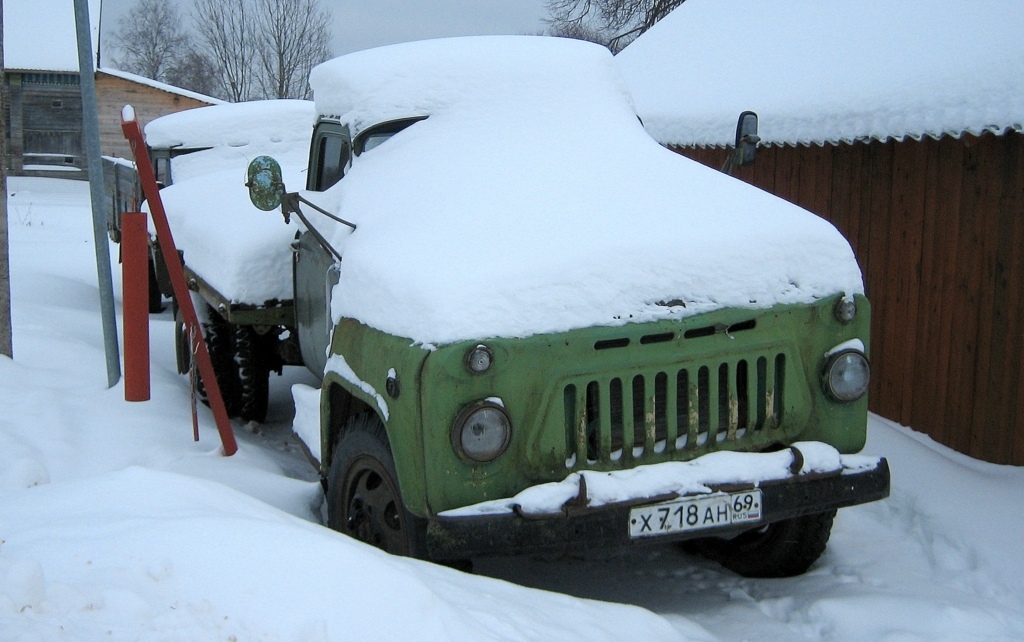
(719, 494)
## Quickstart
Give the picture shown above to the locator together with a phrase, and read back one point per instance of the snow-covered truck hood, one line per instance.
(531, 200)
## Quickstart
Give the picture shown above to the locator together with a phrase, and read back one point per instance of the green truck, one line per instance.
(539, 331)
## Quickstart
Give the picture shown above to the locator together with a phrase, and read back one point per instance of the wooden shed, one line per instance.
(43, 99)
(901, 124)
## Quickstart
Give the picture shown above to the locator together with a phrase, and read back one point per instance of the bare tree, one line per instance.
(150, 38)
(615, 22)
(293, 37)
(226, 36)
(195, 72)
(262, 48)
(578, 31)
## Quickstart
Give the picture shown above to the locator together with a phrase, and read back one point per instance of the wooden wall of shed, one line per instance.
(113, 93)
(938, 228)
(44, 117)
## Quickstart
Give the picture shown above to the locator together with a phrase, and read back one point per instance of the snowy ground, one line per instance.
(115, 525)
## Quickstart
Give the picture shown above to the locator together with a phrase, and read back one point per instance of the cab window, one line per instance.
(378, 134)
(330, 157)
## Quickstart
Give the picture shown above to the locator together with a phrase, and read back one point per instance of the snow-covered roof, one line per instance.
(234, 124)
(245, 254)
(531, 200)
(39, 35)
(149, 82)
(828, 71)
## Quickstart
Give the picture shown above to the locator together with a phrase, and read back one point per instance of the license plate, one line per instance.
(696, 513)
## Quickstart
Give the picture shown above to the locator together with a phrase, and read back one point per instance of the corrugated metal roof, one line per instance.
(830, 71)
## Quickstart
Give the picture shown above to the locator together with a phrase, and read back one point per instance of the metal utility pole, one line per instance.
(6, 340)
(91, 134)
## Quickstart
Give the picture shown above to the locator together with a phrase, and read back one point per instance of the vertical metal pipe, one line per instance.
(91, 134)
(6, 340)
(135, 305)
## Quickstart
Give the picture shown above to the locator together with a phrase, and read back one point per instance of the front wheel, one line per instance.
(781, 549)
(363, 497)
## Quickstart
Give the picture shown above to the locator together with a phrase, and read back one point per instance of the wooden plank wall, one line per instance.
(938, 228)
(113, 93)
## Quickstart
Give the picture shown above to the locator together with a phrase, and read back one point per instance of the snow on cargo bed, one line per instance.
(242, 252)
(531, 200)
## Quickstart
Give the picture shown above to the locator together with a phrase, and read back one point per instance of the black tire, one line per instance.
(363, 497)
(156, 299)
(783, 549)
(220, 343)
(253, 374)
(182, 347)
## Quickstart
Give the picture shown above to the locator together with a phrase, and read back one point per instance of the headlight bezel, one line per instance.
(829, 375)
(480, 410)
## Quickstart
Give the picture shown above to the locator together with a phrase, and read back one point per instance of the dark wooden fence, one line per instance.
(938, 228)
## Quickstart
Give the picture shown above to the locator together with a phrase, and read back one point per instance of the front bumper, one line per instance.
(579, 527)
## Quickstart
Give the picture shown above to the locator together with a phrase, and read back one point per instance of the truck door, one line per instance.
(314, 268)
(315, 273)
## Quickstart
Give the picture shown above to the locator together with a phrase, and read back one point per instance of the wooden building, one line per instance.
(43, 101)
(115, 89)
(912, 147)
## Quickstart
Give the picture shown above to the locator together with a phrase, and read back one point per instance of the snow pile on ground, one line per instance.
(832, 71)
(531, 200)
(242, 252)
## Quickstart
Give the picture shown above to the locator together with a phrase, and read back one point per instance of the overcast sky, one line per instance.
(361, 24)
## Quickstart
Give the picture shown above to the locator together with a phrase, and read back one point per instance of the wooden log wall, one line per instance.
(45, 115)
(938, 228)
(113, 93)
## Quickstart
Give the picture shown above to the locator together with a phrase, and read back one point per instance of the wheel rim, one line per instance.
(372, 510)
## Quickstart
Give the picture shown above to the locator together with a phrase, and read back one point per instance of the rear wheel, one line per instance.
(363, 497)
(220, 343)
(781, 549)
(253, 374)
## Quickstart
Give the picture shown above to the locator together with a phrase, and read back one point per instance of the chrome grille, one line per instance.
(651, 414)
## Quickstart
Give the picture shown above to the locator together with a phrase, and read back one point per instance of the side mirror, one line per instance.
(266, 187)
(267, 192)
(746, 139)
(746, 143)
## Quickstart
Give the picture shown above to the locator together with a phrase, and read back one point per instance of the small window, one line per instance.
(332, 154)
(56, 103)
(162, 171)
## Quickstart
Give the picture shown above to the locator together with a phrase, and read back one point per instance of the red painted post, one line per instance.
(133, 134)
(135, 297)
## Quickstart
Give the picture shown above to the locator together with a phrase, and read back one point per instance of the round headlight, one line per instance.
(482, 431)
(479, 359)
(847, 374)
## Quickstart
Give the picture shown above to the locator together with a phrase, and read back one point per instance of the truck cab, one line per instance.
(544, 332)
